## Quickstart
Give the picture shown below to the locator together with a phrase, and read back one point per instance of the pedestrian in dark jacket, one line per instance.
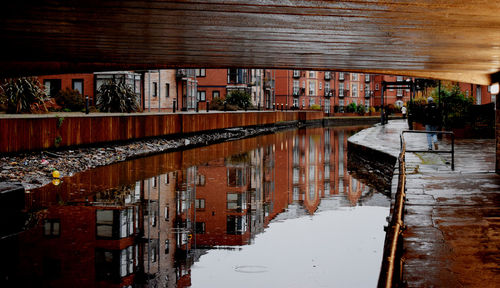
(432, 121)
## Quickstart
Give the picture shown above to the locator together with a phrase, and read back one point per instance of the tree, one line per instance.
(239, 98)
(116, 96)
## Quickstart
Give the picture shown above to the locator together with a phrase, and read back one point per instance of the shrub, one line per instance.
(239, 98)
(22, 94)
(360, 109)
(70, 99)
(116, 97)
(315, 107)
(351, 107)
(218, 104)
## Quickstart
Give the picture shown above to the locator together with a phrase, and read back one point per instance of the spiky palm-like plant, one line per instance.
(116, 96)
(21, 93)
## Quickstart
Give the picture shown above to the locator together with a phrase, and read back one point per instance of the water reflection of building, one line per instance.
(150, 232)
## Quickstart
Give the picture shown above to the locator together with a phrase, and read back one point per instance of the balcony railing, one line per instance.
(367, 78)
(343, 93)
(329, 93)
(181, 73)
(368, 93)
(328, 76)
(341, 76)
(399, 93)
(296, 74)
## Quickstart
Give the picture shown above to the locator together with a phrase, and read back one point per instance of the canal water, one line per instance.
(277, 210)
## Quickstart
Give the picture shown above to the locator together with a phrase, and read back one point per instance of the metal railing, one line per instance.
(452, 151)
(393, 240)
(392, 262)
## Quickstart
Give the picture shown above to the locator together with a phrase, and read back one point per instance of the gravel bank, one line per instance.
(34, 169)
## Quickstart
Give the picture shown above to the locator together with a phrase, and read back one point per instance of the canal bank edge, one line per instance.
(378, 166)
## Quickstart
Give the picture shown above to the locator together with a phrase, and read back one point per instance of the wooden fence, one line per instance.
(49, 132)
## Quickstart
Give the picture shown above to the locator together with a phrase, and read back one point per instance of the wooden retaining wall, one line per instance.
(48, 132)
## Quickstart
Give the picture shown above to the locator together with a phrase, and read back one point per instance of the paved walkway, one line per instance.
(453, 217)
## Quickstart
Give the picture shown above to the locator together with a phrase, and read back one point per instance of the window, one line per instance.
(167, 90)
(215, 94)
(312, 74)
(354, 76)
(399, 78)
(200, 73)
(354, 90)
(153, 181)
(304, 84)
(295, 102)
(295, 86)
(202, 95)
(296, 73)
(341, 75)
(311, 101)
(327, 86)
(199, 204)
(77, 84)
(312, 88)
(155, 89)
(52, 227)
(341, 90)
(52, 87)
(320, 85)
(376, 86)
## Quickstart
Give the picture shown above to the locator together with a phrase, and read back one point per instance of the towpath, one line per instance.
(453, 217)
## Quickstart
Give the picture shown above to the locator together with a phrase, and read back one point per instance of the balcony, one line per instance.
(399, 93)
(298, 91)
(343, 93)
(296, 73)
(368, 93)
(181, 73)
(328, 76)
(367, 78)
(329, 93)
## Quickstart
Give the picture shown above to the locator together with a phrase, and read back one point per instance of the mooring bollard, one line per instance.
(87, 104)
(173, 106)
(208, 106)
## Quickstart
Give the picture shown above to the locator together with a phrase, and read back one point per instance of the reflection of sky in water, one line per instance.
(335, 248)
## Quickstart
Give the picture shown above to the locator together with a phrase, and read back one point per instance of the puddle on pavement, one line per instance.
(277, 210)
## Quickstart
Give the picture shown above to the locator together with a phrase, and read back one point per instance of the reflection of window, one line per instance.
(199, 203)
(115, 224)
(236, 201)
(115, 264)
(296, 175)
(236, 225)
(52, 227)
(200, 227)
(235, 177)
(295, 193)
(200, 180)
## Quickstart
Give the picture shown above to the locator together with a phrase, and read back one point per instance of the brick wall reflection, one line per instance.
(149, 220)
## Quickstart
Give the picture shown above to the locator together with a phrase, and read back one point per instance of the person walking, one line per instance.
(431, 123)
(403, 111)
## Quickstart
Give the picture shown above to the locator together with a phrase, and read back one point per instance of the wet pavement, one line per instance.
(452, 237)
